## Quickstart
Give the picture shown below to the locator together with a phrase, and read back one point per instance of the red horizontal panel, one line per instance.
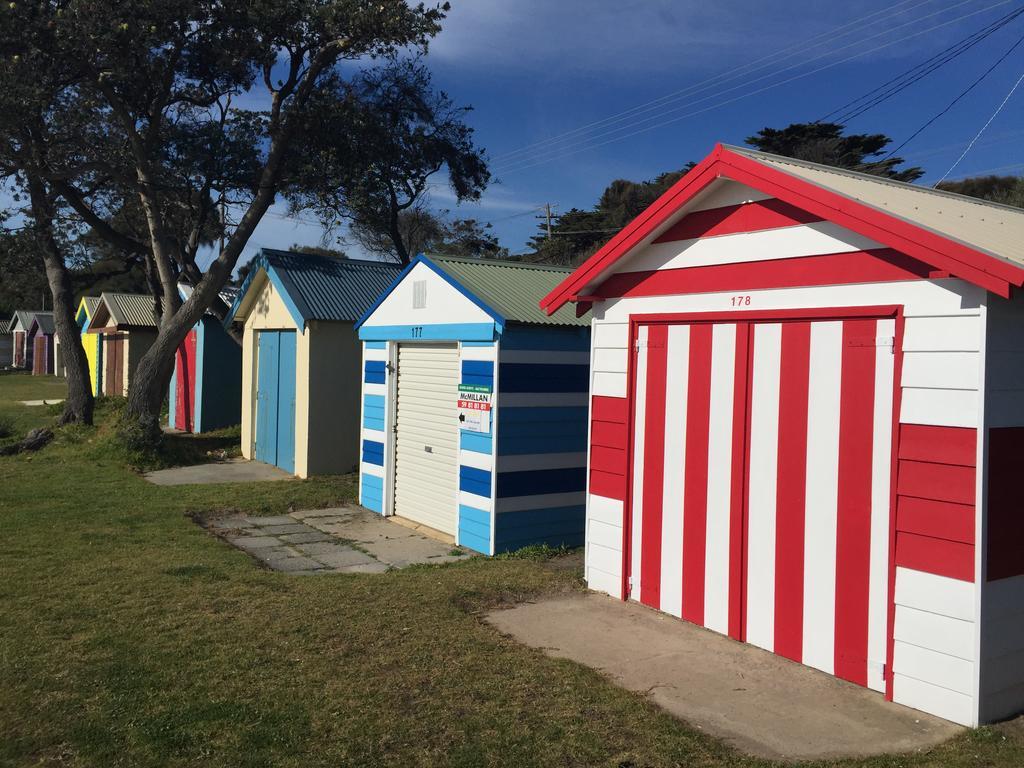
(939, 519)
(941, 482)
(943, 558)
(608, 484)
(611, 460)
(1005, 517)
(939, 445)
(608, 434)
(877, 266)
(603, 408)
(731, 219)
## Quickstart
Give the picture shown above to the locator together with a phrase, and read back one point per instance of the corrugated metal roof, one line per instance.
(91, 302)
(323, 288)
(512, 289)
(45, 321)
(994, 228)
(227, 294)
(21, 317)
(130, 309)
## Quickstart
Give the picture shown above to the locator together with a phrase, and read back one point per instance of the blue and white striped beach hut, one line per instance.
(474, 404)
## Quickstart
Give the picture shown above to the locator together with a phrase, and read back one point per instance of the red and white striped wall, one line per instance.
(784, 446)
(761, 484)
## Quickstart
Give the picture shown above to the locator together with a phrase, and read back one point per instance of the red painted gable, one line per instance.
(795, 200)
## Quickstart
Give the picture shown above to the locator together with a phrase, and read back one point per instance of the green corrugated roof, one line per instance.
(130, 309)
(512, 289)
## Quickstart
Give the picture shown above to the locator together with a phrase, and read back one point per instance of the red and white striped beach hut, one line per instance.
(807, 424)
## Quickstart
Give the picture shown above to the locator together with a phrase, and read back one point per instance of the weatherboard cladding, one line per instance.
(859, 411)
(980, 223)
(324, 288)
(522, 482)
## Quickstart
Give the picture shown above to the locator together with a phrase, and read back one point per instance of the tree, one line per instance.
(400, 133)
(22, 276)
(426, 231)
(577, 234)
(1008, 190)
(825, 143)
(319, 250)
(136, 100)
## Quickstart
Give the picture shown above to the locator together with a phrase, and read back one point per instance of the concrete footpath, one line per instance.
(227, 471)
(340, 540)
(756, 701)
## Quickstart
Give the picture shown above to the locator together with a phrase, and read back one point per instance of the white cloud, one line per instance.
(620, 36)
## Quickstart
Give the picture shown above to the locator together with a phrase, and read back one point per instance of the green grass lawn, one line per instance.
(130, 637)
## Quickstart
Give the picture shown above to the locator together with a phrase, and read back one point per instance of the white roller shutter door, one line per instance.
(426, 436)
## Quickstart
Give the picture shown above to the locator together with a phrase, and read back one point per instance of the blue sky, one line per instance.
(535, 70)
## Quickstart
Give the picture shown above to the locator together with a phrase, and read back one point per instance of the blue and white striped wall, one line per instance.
(374, 425)
(541, 437)
(477, 360)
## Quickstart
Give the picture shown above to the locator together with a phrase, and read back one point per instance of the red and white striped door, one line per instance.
(762, 454)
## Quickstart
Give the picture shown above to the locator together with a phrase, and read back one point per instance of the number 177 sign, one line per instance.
(475, 408)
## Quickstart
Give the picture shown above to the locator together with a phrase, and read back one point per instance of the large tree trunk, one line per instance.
(78, 406)
(148, 383)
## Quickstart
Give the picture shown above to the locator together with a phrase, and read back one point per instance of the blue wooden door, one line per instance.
(286, 402)
(275, 399)
(267, 364)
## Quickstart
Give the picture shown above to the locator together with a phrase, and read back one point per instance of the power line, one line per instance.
(962, 93)
(611, 131)
(801, 46)
(986, 125)
(987, 171)
(587, 147)
(913, 75)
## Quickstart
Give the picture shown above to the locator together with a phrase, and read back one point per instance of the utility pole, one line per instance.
(547, 207)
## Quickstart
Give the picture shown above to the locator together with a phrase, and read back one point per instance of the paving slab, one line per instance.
(275, 520)
(271, 555)
(364, 568)
(233, 523)
(306, 537)
(335, 512)
(346, 558)
(227, 471)
(291, 564)
(364, 530)
(36, 403)
(255, 542)
(342, 539)
(408, 550)
(758, 702)
(291, 527)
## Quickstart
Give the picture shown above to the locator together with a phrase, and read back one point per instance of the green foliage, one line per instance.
(535, 553)
(135, 120)
(577, 234)
(22, 277)
(826, 144)
(432, 232)
(399, 133)
(1008, 190)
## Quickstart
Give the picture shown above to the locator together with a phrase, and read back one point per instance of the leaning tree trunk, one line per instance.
(78, 406)
(151, 377)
